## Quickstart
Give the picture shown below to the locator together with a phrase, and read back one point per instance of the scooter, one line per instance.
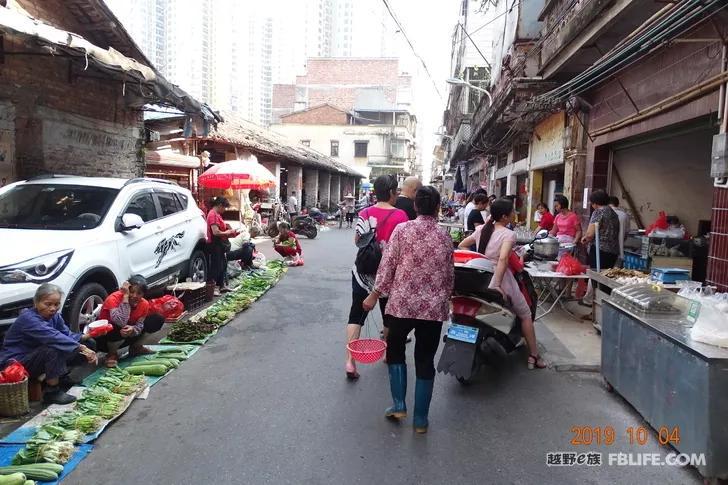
(318, 216)
(482, 328)
(306, 225)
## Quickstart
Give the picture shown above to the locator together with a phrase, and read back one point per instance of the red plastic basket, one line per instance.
(367, 350)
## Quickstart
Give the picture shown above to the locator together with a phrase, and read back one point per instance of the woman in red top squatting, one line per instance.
(286, 244)
(417, 273)
(128, 311)
(382, 217)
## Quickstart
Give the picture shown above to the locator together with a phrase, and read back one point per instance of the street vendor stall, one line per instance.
(551, 285)
(240, 175)
(677, 384)
(607, 280)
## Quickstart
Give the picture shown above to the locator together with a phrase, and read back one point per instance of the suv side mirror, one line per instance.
(129, 222)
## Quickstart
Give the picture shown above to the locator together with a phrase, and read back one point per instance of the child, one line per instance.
(287, 245)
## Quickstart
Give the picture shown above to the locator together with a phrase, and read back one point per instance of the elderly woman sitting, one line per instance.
(40, 340)
(129, 313)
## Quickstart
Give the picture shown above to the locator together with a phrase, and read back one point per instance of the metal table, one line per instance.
(549, 282)
(670, 380)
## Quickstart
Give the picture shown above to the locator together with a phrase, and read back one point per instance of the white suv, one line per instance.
(87, 235)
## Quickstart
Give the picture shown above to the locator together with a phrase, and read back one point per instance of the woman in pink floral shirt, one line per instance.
(417, 273)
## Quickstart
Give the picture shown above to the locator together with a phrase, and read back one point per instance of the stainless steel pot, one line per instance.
(546, 248)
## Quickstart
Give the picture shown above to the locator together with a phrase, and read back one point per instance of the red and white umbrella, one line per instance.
(238, 174)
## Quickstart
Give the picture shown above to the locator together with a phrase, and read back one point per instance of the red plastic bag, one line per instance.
(660, 223)
(168, 306)
(15, 372)
(101, 330)
(569, 265)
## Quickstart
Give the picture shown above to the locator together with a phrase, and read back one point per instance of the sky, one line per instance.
(429, 24)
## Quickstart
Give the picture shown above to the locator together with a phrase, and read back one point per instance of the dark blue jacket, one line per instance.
(30, 331)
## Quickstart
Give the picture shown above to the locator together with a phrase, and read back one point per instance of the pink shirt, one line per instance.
(567, 225)
(417, 271)
(384, 220)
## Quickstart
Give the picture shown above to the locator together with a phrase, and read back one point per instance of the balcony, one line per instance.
(580, 32)
(386, 162)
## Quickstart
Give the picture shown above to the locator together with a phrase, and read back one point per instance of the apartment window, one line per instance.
(334, 148)
(502, 160)
(397, 148)
(360, 149)
(306, 143)
(520, 151)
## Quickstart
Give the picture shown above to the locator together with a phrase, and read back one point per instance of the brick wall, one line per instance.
(76, 125)
(338, 81)
(321, 115)
(7, 141)
(284, 96)
(381, 72)
(718, 257)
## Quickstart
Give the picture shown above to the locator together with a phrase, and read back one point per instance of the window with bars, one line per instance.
(361, 148)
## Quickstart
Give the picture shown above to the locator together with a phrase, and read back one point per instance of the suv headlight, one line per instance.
(37, 270)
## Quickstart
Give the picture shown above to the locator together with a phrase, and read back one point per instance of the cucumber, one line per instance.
(169, 363)
(46, 472)
(29, 482)
(13, 479)
(156, 370)
(173, 350)
(177, 356)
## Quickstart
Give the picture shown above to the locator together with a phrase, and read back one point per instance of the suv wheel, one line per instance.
(85, 300)
(198, 267)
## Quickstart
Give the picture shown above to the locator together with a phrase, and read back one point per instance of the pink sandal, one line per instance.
(536, 362)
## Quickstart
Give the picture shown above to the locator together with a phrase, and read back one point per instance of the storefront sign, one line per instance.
(547, 147)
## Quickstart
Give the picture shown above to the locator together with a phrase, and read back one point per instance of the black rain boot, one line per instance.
(54, 395)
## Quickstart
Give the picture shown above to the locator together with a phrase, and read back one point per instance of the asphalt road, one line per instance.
(266, 401)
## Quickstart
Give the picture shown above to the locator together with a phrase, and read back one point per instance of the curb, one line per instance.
(576, 367)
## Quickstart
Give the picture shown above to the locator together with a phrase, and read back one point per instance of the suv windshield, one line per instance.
(54, 206)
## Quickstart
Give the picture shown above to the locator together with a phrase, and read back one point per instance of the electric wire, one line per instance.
(412, 47)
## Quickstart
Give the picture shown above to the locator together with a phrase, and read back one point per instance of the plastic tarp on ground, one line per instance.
(190, 350)
(28, 429)
(8, 451)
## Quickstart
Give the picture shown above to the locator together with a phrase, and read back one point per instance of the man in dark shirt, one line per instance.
(475, 218)
(406, 199)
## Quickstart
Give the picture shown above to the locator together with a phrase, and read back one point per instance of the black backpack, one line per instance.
(370, 252)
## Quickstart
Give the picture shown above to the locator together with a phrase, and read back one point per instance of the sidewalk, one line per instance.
(569, 344)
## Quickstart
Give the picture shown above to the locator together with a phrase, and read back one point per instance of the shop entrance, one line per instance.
(553, 185)
(668, 171)
(521, 194)
(283, 194)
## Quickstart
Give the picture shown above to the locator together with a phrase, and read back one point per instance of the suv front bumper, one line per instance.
(16, 296)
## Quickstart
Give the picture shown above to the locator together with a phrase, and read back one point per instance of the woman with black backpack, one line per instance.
(373, 230)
